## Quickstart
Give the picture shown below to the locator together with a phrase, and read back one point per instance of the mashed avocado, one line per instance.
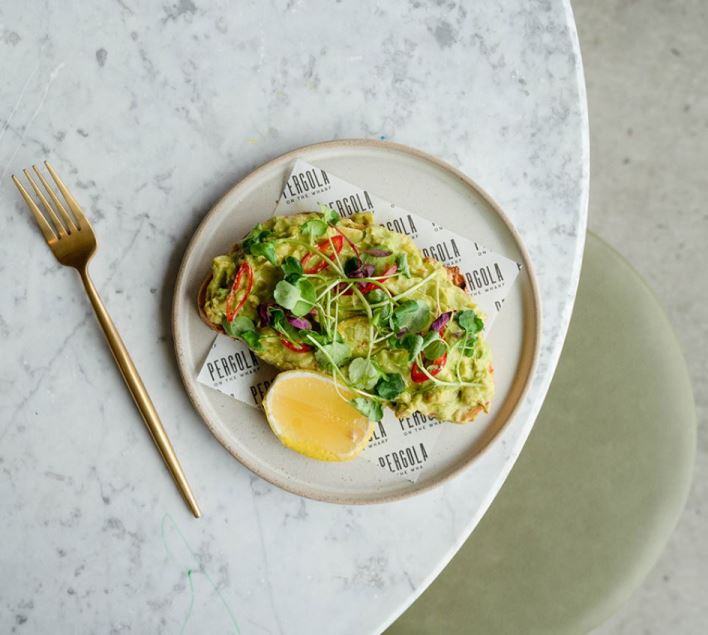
(357, 301)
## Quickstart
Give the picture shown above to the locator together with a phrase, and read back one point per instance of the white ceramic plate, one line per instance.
(412, 180)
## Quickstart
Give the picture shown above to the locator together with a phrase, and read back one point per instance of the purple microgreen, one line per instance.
(300, 323)
(264, 313)
(378, 253)
(441, 321)
(363, 271)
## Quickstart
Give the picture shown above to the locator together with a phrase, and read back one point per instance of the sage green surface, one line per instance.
(599, 486)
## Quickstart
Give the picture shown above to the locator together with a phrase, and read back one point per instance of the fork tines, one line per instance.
(52, 227)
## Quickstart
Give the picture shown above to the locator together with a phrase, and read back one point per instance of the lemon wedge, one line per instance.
(308, 415)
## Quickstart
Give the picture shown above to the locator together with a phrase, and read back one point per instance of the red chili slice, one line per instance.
(351, 244)
(370, 286)
(418, 376)
(296, 348)
(232, 312)
(338, 243)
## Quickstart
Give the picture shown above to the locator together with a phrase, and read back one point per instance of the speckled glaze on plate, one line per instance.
(415, 181)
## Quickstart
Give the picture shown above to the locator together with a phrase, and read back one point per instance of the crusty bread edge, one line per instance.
(201, 301)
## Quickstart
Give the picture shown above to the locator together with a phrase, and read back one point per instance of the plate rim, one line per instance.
(528, 361)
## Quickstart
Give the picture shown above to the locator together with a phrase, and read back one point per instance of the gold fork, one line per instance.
(73, 242)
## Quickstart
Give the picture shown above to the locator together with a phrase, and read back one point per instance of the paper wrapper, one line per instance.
(399, 446)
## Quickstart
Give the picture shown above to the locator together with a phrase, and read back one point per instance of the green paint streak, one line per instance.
(191, 602)
(189, 572)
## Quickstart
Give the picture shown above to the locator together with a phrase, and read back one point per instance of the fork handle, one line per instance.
(139, 392)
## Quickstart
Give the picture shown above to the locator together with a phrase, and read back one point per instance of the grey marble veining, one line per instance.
(151, 112)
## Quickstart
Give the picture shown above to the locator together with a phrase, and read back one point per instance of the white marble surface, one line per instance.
(150, 113)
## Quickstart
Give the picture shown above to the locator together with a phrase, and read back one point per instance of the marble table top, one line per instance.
(151, 111)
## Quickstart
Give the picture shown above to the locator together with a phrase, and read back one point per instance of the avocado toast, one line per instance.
(359, 302)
